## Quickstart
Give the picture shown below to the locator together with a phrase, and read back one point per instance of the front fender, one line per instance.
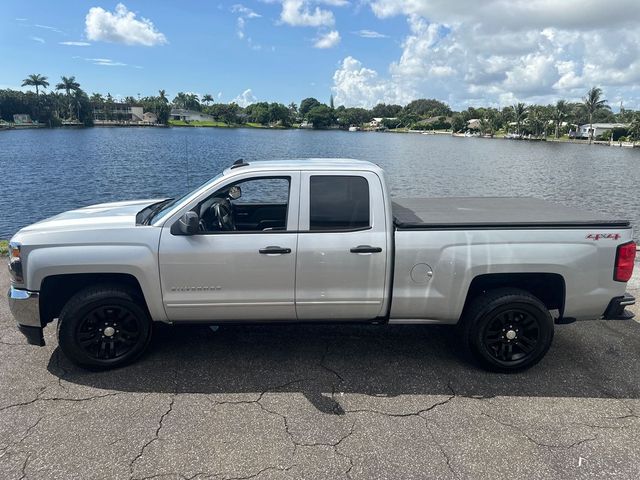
(137, 260)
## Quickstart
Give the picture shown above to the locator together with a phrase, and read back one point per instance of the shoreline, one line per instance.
(255, 126)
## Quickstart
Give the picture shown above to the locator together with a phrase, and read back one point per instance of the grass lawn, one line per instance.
(196, 123)
(4, 247)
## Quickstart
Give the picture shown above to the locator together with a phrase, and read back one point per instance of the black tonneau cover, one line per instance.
(493, 212)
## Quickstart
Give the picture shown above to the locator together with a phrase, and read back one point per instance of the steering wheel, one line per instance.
(224, 215)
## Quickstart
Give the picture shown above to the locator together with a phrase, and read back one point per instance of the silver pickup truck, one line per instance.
(318, 240)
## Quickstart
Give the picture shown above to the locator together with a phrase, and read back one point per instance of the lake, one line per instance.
(49, 171)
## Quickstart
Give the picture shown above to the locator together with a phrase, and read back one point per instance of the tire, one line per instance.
(104, 327)
(507, 330)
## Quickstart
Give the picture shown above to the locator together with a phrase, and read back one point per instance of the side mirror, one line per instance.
(235, 192)
(187, 224)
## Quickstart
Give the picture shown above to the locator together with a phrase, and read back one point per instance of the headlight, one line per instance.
(15, 262)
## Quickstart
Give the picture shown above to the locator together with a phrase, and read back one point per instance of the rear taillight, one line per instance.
(625, 256)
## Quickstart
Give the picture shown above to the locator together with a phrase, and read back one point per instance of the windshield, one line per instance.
(166, 208)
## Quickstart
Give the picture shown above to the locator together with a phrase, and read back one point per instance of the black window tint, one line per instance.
(338, 202)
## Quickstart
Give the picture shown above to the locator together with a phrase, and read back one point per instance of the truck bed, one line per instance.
(493, 212)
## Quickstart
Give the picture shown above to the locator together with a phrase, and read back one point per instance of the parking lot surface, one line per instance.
(326, 402)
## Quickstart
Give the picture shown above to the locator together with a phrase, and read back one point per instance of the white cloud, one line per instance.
(356, 85)
(103, 62)
(244, 11)
(496, 52)
(370, 34)
(49, 27)
(106, 62)
(245, 98)
(244, 14)
(76, 44)
(328, 40)
(121, 26)
(299, 13)
(38, 39)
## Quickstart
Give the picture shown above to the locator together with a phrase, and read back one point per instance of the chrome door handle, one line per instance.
(274, 250)
(365, 249)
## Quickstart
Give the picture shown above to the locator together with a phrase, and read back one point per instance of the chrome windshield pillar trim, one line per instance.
(25, 306)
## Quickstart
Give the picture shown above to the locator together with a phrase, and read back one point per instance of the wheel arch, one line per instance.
(57, 290)
(549, 288)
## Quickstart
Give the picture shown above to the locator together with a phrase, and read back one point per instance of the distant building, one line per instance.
(190, 115)
(150, 117)
(377, 121)
(122, 112)
(474, 124)
(598, 129)
(22, 119)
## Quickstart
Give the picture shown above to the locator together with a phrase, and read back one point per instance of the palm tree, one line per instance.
(519, 113)
(68, 84)
(593, 102)
(162, 95)
(97, 98)
(560, 113)
(207, 99)
(36, 80)
(634, 128)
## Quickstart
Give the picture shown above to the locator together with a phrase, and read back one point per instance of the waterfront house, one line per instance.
(377, 121)
(184, 115)
(22, 119)
(598, 129)
(115, 111)
(150, 117)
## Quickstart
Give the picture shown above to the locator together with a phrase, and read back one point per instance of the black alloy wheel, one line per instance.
(507, 330)
(105, 326)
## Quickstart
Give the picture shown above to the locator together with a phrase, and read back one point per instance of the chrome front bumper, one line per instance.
(25, 307)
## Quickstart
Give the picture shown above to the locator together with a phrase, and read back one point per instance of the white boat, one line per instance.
(353, 128)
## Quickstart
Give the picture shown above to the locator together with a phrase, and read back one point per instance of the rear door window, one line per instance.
(338, 202)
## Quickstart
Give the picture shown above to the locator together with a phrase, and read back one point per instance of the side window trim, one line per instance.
(293, 207)
(305, 201)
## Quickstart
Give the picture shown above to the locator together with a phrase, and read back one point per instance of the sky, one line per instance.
(463, 52)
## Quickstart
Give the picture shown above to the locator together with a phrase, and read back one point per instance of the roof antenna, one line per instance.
(239, 163)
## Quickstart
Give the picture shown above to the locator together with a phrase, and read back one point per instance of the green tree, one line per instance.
(306, 105)
(383, 110)
(68, 84)
(458, 123)
(207, 99)
(36, 80)
(560, 113)
(634, 127)
(278, 113)
(321, 116)
(593, 102)
(162, 95)
(431, 107)
(519, 115)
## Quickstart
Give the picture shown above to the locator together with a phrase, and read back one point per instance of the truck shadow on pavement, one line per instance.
(590, 359)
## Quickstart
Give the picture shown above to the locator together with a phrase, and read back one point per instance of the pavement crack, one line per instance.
(408, 414)
(57, 399)
(24, 466)
(444, 453)
(536, 442)
(257, 474)
(156, 436)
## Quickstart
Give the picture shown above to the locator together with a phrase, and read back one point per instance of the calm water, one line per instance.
(49, 171)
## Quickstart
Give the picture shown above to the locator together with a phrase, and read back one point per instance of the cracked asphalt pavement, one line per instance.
(326, 402)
